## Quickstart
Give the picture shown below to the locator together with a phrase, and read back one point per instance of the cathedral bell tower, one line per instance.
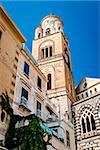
(50, 49)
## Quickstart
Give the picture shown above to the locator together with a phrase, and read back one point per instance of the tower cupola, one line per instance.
(49, 25)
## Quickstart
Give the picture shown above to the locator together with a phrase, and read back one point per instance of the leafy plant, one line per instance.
(29, 137)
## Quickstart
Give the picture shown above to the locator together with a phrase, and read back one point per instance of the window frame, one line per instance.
(39, 83)
(48, 31)
(26, 68)
(49, 82)
(23, 91)
(89, 123)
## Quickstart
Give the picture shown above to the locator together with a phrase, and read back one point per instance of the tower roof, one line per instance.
(52, 15)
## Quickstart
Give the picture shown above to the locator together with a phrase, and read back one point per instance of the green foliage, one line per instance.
(31, 136)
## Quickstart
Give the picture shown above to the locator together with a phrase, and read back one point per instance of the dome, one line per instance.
(52, 15)
(51, 24)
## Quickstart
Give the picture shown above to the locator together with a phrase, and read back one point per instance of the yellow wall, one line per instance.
(10, 45)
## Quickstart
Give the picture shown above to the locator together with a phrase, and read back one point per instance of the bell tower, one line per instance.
(50, 49)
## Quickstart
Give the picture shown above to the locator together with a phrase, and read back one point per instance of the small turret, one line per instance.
(38, 33)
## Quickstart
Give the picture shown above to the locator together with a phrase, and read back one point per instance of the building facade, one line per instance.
(87, 114)
(11, 40)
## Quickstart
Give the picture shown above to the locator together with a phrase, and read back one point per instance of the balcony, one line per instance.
(24, 103)
(52, 118)
(39, 113)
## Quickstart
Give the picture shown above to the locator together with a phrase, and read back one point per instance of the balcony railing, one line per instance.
(39, 113)
(24, 104)
(52, 118)
(23, 101)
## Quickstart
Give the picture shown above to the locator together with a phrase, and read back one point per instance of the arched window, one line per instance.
(93, 122)
(90, 91)
(49, 82)
(59, 28)
(95, 90)
(46, 52)
(2, 116)
(39, 35)
(48, 31)
(86, 94)
(50, 51)
(82, 96)
(83, 126)
(42, 53)
(78, 98)
(88, 124)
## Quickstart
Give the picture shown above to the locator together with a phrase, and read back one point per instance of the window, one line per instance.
(0, 35)
(59, 28)
(55, 129)
(39, 35)
(85, 85)
(39, 83)
(46, 52)
(50, 51)
(43, 53)
(38, 108)
(78, 97)
(68, 138)
(2, 116)
(90, 91)
(86, 94)
(83, 126)
(48, 31)
(93, 122)
(82, 96)
(24, 93)
(95, 90)
(49, 82)
(26, 68)
(88, 124)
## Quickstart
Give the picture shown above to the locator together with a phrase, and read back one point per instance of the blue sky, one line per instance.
(81, 24)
